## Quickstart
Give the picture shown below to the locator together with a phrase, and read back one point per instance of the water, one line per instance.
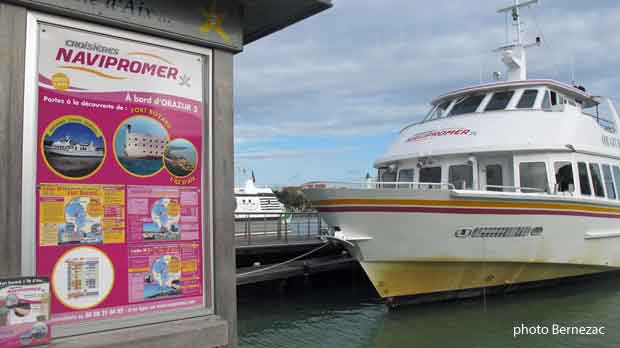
(345, 313)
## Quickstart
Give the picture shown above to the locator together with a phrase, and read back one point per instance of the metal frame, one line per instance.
(30, 148)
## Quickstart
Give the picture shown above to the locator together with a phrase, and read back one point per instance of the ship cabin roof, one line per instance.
(513, 95)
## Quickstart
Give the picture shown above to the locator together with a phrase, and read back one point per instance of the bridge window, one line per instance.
(584, 180)
(609, 182)
(533, 176)
(466, 104)
(616, 171)
(528, 98)
(461, 176)
(430, 174)
(494, 177)
(387, 175)
(564, 176)
(439, 111)
(499, 100)
(597, 180)
(405, 175)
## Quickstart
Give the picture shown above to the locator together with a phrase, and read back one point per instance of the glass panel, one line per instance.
(546, 103)
(609, 182)
(533, 177)
(439, 111)
(616, 171)
(564, 176)
(584, 181)
(494, 177)
(597, 180)
(389, 176)
(527, 99)
(461, 176)
(499, 101)
(430, 174)
(554, 98)
(405, 175)
(467, 105)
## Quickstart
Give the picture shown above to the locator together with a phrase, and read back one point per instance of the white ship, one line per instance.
(66, 147)
(257, 203)
(502, 184)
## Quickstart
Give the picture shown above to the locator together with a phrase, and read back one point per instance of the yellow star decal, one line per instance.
(213, 21)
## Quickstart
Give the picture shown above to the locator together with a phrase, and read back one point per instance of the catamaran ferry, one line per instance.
(66, 147)
(501, 184)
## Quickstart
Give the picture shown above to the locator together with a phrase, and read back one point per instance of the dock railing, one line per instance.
(379, 185)
(261, 228)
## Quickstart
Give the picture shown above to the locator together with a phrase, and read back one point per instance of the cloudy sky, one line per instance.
(322, 99)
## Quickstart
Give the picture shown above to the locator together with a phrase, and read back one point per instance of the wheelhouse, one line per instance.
(564, 171)
(535, 95)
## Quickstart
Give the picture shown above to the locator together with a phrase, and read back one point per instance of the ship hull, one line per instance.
(73, 154)
(423, 243)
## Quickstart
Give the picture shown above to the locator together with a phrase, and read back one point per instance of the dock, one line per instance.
(258, 249)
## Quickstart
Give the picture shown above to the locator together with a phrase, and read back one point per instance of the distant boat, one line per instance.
(67, 147)
(257, 203)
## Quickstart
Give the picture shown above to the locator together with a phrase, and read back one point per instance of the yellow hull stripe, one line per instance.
(393, 279)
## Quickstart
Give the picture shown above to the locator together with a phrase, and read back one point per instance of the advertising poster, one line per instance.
(24, 311)
(121, 129)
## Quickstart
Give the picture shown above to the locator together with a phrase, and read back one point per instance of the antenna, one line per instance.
(572, 70)
(513, 55)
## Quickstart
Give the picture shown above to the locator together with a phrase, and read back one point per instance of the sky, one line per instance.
(322, 99)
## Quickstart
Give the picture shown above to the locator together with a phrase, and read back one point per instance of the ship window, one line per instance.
(499, 101)
(439, 111)
(554, 98)
(533, 177)
(527, 99)
(387, 175)
(584, 181)
(616, 171)
(430, 174)
(609, 182)
(494, 177)
(597, 180)
(405, 175)
(466, 104)
(546, 103)
(564, 176)
(461, 176)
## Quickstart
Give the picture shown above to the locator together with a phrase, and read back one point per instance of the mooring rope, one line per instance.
(285, 262)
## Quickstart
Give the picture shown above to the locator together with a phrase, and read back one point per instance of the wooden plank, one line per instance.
(12, 51)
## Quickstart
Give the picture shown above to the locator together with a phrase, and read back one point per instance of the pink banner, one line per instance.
(119, 175)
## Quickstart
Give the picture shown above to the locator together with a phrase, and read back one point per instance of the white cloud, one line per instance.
(284, 153)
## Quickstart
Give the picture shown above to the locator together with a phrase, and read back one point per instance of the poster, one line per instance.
(120, 161)
(24, 311)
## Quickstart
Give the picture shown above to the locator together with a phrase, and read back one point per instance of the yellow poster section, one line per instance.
(106, 202)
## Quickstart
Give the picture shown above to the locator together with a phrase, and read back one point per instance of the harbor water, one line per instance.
(344, 312)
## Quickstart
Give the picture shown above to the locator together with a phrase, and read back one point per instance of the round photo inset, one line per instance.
(180, 157)
(73, 147)
(139, 145)
(83, 277)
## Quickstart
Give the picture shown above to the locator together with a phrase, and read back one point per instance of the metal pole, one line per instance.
(286, 229)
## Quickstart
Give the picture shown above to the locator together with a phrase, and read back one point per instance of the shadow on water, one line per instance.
(341, 311)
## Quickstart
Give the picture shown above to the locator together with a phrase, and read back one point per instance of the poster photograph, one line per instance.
(24, 311)
(121, 128)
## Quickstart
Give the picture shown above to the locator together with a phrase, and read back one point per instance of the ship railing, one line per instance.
(522, 189)
(374, 185)
(278, 228)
